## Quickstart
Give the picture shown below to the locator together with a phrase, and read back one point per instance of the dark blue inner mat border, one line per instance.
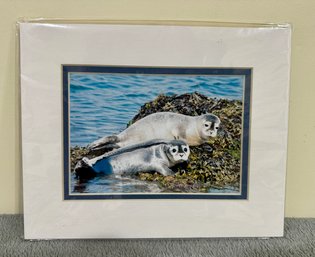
(247, 72)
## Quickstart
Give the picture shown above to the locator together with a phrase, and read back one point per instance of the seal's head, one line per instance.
(177, 151)
(208, 125)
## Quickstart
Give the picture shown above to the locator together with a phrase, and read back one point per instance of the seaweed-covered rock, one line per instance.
(213, 164)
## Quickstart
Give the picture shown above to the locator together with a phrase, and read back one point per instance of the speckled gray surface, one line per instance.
(299, 241)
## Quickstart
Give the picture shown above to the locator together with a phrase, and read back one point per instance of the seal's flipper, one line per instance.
(104, 148)
(104, 142)
(165, 171)
(83, 170)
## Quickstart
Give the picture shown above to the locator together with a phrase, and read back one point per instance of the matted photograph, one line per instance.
(154, 132)
(164, 130)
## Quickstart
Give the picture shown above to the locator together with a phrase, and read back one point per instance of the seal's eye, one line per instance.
(174, 150)
(216, 127)
(207, 125)
(185, 149)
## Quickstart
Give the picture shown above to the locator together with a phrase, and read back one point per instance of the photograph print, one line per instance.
(156, 132)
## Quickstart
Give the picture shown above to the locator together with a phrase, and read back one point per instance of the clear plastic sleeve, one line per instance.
(134, 129)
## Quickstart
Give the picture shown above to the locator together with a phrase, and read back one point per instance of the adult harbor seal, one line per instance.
(154, 155)
(195, 130)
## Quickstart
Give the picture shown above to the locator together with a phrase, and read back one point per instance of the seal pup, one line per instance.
(154, 155)
(195, 130)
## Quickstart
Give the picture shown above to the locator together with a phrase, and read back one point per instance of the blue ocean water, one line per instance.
(101, 104)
